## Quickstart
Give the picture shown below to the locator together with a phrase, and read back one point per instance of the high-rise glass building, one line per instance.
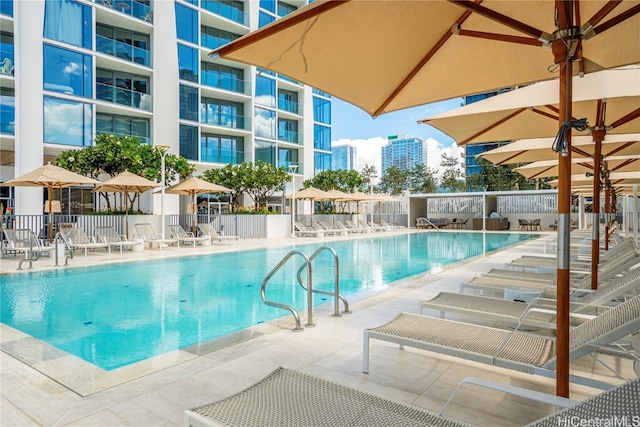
(403, 152)
(342, 157)
(71, 69)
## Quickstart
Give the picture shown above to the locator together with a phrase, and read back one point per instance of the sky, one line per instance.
(352, 126)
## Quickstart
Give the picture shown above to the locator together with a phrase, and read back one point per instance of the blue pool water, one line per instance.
(118, 314)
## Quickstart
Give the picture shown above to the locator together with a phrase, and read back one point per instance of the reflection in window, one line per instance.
(69, 22)
(222, 77)
(214, 38)
(74, 201)
(268, 5)
(7, 110)
(265, 123)
(265, 91)
(222, 113)
(123, 88)
(123, 125)
(221, 149)
(322, 162)
(266, 151)
(124, 44)
(288, 131)
(67, 72)
(264, 19)
(7, 60)
(189, 103)
(189, 142)
(287, 156)
(284, 9)
(6, 7)
(188, 63)
(321, 110)
(187, 23)
(67, 122)
(321, 137)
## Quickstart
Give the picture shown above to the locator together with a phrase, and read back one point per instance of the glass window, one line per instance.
(321, 110)
(222, 77)
(124, 125)
(214, 37)
(189, 103)
(231, 9)
(187, 23)
(266, 151)
(67, 122)
(322, 162)
(222, 148)
(67, 72)
(6, 7)
(264, 19)
(6, 53)
(265, 123)
(189, 142)
(284, 9)
(287, 156)
(321, 137)
(268, 5)
(123, 88)
(319, 92)
(188, 63)
(69, 22)
(7, 110)
(265, 91)
(288, 131)
(222, 113)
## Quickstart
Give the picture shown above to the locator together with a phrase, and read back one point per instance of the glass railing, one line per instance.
(288, 166)
(289, 136)
(143, 139)
(290, 106)
(214, 79)
(213, 42)
(123, 51)
(226, 120)
(7, 64)
(130, 7)
(7, 120)
(226, 11)
(130, 98)
(289, 79)
(213, 155)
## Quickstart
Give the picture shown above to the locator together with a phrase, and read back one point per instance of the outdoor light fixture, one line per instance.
(292, 170)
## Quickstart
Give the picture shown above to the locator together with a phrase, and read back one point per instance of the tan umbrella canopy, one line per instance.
(616, 178)
(531, 111)
(549, 168)
(50, 177)
(312, 194)
(435, 50)
(192, 187)
(126, 182)
(535, 149)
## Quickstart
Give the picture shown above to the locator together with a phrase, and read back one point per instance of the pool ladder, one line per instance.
(309, 287)
(36, 256)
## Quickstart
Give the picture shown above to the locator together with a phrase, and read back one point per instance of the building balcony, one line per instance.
(132, 8)
(144, 139)
(126, 97)
(289, 136)
(215, 80)
(212, 42)
(231, 121)
(123, 51)
(289, 106)
(222, 156)
(226, 11)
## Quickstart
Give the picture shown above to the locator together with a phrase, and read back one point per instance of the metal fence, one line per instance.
(455, 205)
(528, 203)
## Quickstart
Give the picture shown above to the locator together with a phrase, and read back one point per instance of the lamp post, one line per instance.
(163, 153)
(292, 170)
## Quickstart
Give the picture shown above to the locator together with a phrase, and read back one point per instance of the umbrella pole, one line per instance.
(598, 136)
(195, 213)
(563, 57)
(126, 214)
(49, 196)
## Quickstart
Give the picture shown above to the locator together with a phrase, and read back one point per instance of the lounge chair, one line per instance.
(344, 228)
(149, 235)
(76, 238)
(390, 226)
(110, 236)
(178, 233)
(355, 227)
(23, 240)
(209, 230)
(520, 351)
(303, 230)
(287, 397)
(323, 226)
(538, 313)
(377, 227)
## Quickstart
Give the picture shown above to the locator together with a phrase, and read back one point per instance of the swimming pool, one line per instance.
(118, 314)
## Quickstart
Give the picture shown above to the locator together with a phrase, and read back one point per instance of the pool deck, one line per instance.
(157, 392)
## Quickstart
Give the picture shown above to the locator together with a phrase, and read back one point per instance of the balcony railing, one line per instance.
(130, 98)
(226, 11)
(215, 79)
(290, 106)
(123, 51)
(289, 136)
(130, 7)
(288, 165)
(221, 156)
(226, 120)
(213, 42)
(144, 139)
(289, 79)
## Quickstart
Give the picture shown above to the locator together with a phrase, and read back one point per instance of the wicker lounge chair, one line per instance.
(110, 236)
(146, 231)
(533, 354)
(76, 238)
(177, 232)
(290, 398)
(209, 230)
(537, 313)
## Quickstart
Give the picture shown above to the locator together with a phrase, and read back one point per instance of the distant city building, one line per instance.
(342, 157)
(403, 152)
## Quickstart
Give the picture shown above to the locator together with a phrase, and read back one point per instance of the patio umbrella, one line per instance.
(382, 198)
(535, 149)
(49, 176)
(336, 195)
(312, 194)
(549, 168)
(435, 50)
(126, 182)
(193, 186)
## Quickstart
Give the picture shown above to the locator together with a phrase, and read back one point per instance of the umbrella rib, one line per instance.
(602, 13)
(498, 123)
(617, 20)
(542, 113)
(500, 37)
(627, 118)
(535, 176)
(580, 151)
(508, 159)
(622, 147)
(623, 164)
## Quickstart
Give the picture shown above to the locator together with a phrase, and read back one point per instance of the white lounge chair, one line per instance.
(146, 232)
(209, 230)
(520, 351)
(76, 238)
(303, 230)
(178, 233)
(110, 236)
(23, 240)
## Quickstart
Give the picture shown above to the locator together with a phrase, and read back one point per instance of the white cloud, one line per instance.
(369, 152)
